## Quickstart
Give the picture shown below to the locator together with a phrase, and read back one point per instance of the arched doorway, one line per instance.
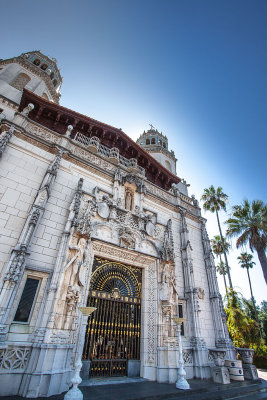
(113, 332)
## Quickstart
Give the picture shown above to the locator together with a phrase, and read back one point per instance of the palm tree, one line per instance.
(217, 248)
(245, 261)
(249, 224)
(214, 201)
(221, 269)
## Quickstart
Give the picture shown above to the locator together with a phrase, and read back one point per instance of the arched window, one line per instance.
(20, 81)
(147, 141)
(153, 140)
(37, 62)
(168, 165)
(44, 96)
(164, 145)
(44, 67)
(52, 75)
(55, 82)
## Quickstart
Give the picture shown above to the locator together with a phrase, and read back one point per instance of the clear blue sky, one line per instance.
(196, 70)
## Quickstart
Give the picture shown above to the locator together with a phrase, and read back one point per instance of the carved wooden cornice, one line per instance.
(57, 118)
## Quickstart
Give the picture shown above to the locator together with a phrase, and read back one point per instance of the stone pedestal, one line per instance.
(220, 375)
(250, 372)
(133, 368)
(85, 369)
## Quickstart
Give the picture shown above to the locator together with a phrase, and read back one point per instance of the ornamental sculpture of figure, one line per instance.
(128, 200)
(76, 267)
(74, 280)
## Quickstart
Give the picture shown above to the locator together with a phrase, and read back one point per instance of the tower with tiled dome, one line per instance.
(155, 143)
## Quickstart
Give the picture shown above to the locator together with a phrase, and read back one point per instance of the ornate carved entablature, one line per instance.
(58, 118)
(102, 216)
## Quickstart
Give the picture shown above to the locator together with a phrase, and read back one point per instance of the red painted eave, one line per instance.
(54, 122)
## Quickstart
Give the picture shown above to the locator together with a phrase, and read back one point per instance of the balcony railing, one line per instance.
(93, 144)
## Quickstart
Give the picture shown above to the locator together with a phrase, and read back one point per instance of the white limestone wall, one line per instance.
(162, 158)
(20, 175)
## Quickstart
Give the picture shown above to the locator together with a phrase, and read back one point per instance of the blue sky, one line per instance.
(194, 69)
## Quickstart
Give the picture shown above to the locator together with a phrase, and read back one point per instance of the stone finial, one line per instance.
(69, 130)
(26, 111)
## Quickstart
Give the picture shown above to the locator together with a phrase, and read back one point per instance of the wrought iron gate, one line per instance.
(113, 331)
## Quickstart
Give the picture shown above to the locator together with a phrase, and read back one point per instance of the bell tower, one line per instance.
(155, 143)
(33, 71)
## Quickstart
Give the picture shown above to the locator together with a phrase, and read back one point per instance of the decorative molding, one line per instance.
(14, 358)
(111, 252)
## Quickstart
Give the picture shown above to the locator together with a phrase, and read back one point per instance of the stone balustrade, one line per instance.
(93, 144)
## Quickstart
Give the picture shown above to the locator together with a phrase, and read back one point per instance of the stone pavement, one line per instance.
(147, 390)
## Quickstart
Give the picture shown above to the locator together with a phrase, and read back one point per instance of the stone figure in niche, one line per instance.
(164, 289)
(128, 200)
(74, 281)
(78, 261)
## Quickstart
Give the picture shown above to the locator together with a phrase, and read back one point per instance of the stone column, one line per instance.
(16, 265)
(222, 339)
(4, 139)
(199, 346)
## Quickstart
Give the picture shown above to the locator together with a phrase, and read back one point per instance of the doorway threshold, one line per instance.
(111, 381)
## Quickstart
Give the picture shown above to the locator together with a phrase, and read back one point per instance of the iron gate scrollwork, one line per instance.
(113, 331)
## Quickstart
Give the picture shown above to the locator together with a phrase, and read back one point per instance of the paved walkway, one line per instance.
(146, 390)
(262, 374)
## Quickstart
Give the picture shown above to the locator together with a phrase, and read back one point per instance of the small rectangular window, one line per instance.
(181, 315)
(26, 301)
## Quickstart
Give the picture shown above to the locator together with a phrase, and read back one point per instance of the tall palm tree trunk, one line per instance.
(252, 297)
(223, 276)
(254, 303)
(263, 261)
(224, 252)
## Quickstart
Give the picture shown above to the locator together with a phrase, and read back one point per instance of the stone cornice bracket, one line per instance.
(4, 139)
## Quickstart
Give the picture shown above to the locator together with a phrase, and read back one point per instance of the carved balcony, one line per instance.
(94, 144)
(114, 155)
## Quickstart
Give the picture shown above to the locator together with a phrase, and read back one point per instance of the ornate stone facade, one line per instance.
(82, 190)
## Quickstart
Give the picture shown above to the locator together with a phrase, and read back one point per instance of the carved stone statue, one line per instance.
(78, 261)
(128, 200)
